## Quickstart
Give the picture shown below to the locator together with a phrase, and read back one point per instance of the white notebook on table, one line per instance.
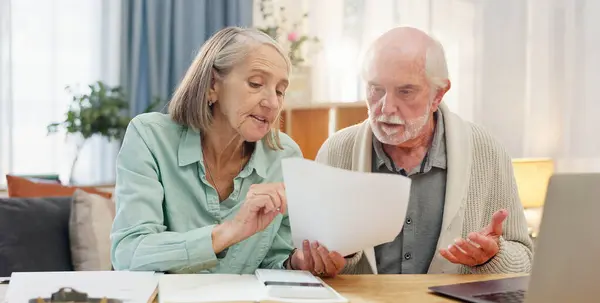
(264, 286)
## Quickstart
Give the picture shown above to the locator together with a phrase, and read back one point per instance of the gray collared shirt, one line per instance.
(413, 249)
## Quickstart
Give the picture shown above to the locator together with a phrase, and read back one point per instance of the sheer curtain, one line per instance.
(45, 46)
(524, 69)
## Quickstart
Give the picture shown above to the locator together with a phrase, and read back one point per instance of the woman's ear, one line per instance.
(215, 87)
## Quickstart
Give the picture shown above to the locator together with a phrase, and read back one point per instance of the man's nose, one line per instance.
(387, 105)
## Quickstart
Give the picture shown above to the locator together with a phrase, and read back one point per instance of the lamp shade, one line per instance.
(532, 176)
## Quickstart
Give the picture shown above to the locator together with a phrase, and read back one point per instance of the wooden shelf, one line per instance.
(324, 104)
(311, 124)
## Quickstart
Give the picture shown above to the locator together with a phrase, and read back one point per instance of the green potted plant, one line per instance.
(103, 111)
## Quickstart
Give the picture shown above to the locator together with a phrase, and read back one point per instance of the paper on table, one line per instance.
(185, 288)
(136, 287)
(195, 288)
(3, 289)
(346, 211)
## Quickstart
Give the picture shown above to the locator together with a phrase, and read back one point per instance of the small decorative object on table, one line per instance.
(70, 295)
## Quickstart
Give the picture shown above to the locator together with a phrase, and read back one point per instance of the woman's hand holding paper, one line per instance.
(317, 259)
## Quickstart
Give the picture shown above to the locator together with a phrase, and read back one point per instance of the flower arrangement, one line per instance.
(287, 34)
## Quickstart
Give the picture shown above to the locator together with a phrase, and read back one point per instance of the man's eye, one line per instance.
(376, 91)
(255, 85)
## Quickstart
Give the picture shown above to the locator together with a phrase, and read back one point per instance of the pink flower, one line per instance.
(293, 36)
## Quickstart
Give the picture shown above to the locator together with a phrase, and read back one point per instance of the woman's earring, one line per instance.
(210, 103)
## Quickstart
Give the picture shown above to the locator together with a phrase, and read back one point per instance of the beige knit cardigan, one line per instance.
(480, 181)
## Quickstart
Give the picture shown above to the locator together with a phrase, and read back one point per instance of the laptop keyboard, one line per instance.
(517, 296)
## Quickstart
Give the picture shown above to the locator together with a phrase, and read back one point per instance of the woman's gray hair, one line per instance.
(228, 47)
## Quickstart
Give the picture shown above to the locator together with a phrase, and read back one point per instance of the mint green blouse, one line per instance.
(166, 209)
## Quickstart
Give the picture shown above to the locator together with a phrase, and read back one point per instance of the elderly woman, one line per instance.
(199, 190)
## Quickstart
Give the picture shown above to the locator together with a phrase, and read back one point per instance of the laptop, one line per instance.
(566, 264)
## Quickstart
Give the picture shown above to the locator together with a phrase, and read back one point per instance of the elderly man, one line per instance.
(464, 214)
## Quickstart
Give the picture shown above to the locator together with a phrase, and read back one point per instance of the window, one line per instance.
(48, 45)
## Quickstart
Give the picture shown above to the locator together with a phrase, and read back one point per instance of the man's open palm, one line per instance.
(479, 247)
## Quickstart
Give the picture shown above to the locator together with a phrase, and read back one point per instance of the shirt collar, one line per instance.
(435, 157)
(190, 151)
(190, 147)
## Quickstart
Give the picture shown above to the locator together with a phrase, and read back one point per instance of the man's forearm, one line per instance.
(356, 264)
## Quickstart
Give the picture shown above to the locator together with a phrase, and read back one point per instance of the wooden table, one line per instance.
(398, 288)
(386, 288)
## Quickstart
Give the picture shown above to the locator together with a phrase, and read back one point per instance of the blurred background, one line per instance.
(73, 72)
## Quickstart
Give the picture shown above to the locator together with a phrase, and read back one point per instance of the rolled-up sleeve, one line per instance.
(139, 237)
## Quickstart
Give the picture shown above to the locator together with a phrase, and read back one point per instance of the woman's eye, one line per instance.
(255, 85)
(280, 93)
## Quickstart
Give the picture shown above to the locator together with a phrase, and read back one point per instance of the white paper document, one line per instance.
(134, 287)
(3, 288)
(346, 211)
(188, 288)
(195, 288)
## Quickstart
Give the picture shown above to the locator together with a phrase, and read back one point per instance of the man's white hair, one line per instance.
(436, 67)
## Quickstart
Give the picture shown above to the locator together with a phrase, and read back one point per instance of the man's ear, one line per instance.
(439, 95)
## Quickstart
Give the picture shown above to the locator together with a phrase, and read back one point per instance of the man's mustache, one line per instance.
(391, 120)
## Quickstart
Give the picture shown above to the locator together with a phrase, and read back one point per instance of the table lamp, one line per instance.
(532, 176)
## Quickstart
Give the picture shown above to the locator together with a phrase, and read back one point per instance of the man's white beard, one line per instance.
(402, 131)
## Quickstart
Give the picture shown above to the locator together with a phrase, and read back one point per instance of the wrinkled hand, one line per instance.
(318, 260)
(480, 246)
(263, 203)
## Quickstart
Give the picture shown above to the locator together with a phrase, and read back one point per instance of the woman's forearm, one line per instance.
(223, 236)
(146, 247)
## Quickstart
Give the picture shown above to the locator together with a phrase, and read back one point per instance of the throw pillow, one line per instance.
(34, 235)
(89, 230)
(19, 187)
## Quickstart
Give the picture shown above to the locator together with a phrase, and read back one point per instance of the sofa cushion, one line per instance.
(89, 228)
(19, 187)
(34, 235)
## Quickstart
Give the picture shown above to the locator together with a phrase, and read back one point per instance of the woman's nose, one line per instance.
(271, 101)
